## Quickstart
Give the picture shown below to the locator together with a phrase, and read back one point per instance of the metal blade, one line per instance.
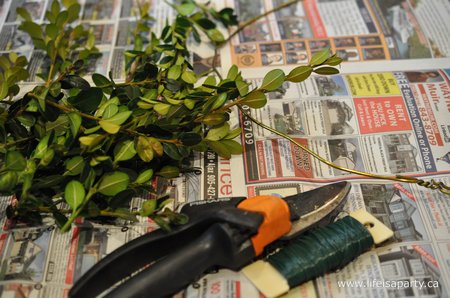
(316, 207)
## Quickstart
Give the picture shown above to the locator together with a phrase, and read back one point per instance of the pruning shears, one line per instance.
(222, 233)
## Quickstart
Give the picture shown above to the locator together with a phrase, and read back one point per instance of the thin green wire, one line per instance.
(322, 250)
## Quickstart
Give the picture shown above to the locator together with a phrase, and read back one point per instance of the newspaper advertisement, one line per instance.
(356, 30)
(389, 122)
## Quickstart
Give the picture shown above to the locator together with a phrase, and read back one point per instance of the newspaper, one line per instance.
(387, 112)
(357, 30)
(391, 122)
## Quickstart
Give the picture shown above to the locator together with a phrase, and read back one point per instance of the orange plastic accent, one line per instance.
(276, 221)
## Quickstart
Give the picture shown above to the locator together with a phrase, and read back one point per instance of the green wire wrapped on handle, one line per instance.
(322, 250)
(317, 252)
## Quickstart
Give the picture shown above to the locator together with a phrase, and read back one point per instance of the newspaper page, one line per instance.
(393, 121)
(357, 30)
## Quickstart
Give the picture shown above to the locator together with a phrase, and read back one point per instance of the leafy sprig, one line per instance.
(96, 146)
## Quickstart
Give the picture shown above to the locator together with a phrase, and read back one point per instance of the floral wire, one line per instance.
(433, 184)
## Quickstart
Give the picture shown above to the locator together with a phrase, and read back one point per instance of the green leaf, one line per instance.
(60, 219)
(210, 81)
(162, 108)
(320, 57)
(214, 119)
(190, 103)
(69, 3)
(232, 146)
(74, 12)
(15, 161)
(174, 72)
(162, 223)
(109, 127)
(75, 123)
(33, 29)
(234, 133)
(255, 99)
(189, 77)
(120, 117)
(215, 35)
(124, 151)
(157, 146)
(5, 63)
(205, 23)
(88, 100)
(186, 8)
(113, 183)
(169, 172)
(220, 149)
(55, 8)
(26, 119)
(13, 58)
(221, 99)
(242, 87)
(24, 14)
(233, 72)
(333, 60)
(273, 80)
(144, 149)
(59, 126)
(42, 146)
(102, 82)
(112, 101)
(96, 160)
(4, 89)
(51, 30)
(299, 74)
(190, 138)
(90, 43)
(174, 101)
(50, 16)
(145, 106)
(74, 194)
(110, 110)
(144, 176)
(150, 94)
(172, 151)
(218, 133)
(148, 207)
(74, 81)
(165, 203)
(74, 166)
(61, 19)
(8, 181)
(92, 141)
(326, 70)
(55, 89)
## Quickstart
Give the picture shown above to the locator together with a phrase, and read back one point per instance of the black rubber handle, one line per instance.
(216, 247)
(148, 248)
